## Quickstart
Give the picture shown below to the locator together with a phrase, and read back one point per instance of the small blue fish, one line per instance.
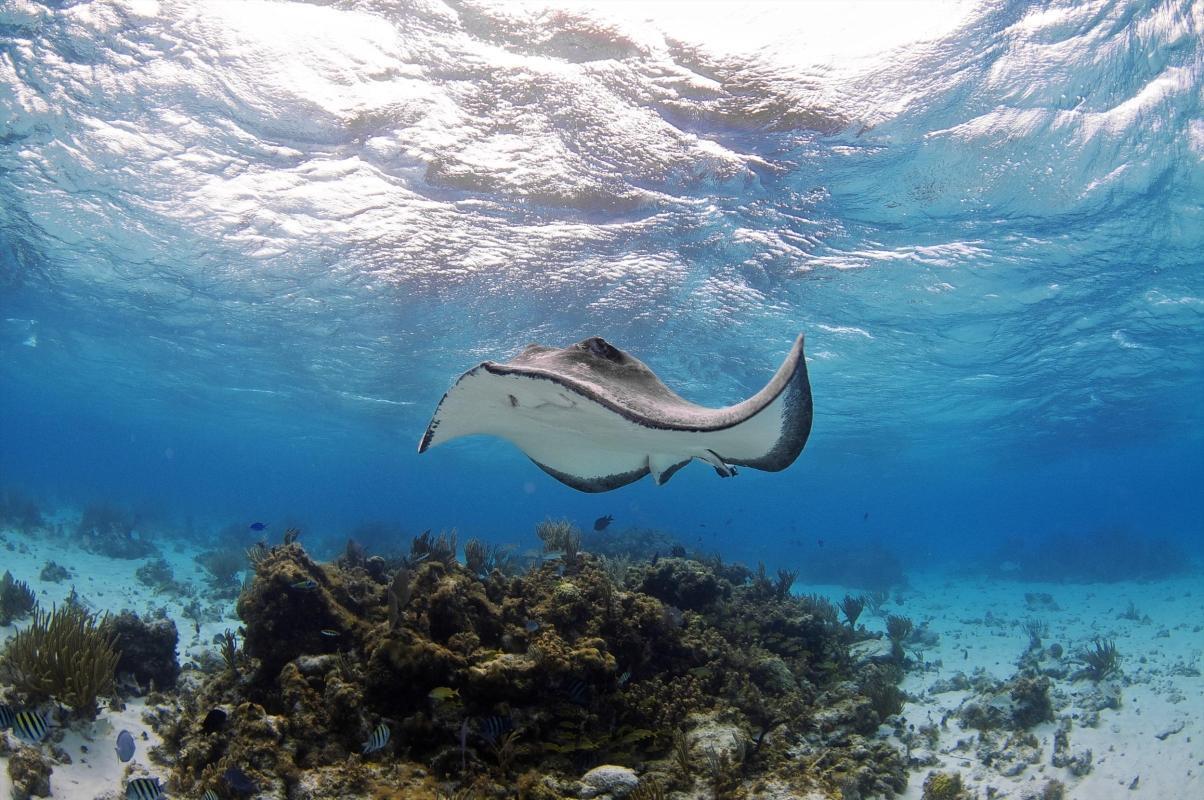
(144, 789)
(306, 585)
(7, 715)
(239, 782)
(257, 526)
(531, 626)
(601, 523)
(378, 739)
(30, 726)
(125, 746)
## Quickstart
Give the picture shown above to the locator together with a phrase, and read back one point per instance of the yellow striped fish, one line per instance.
(30, 726)
(7, 715)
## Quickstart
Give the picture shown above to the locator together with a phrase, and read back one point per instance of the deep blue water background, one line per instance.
(1000, 277)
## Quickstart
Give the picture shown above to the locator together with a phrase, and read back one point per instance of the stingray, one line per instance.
(596, 418)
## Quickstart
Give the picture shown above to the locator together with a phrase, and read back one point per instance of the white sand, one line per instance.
(1156, 695)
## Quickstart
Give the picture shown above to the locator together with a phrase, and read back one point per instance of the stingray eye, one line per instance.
(600, 347)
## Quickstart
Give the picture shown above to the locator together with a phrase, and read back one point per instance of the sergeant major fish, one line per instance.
(378, 739)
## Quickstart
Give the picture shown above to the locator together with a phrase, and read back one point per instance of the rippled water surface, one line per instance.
(245, 246)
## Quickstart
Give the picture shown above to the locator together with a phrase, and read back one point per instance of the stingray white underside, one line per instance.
(584, 442)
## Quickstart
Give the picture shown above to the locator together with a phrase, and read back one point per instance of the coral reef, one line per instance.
(496, 683)
(64, 654)
(147, 648)
(158, 575)
(1099, 660)
(944, 786)
(1017, 704)
(29, 772)
(16, 599)
(54, 573)
(19, 511)
(223, 565)
(109, 531)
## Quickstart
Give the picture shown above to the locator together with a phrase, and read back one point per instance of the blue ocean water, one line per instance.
(245, 247)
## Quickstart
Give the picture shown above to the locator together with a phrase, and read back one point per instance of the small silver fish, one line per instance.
(378, 739)
(329, 634)
(305, 585)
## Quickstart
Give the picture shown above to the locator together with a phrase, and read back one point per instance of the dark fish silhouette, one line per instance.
(601, 523)
(865, 517)
(125, 746)
(578, 692)
(257, 526)
(494, 727)
(215, 720)
(239, 782)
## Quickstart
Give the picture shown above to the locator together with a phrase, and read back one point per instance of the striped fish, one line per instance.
(492, 728)
(209, 795)
(7, 715)
(578, 691)
(144, 789)
(30, 726)
(378, 739)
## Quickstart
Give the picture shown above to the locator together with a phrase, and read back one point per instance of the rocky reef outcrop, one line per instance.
(427, 676)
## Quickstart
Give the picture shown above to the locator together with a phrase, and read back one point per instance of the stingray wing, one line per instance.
(595, 418)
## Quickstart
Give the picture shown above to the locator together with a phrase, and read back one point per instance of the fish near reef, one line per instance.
(214, 721)
(378, 739)
(31, 727)
(602, 523)
(443, 694)
(596, 418)
(144, 789)
(305, 585)
(125, 746)
(7, 715)
(239, 782)
(257, 526)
